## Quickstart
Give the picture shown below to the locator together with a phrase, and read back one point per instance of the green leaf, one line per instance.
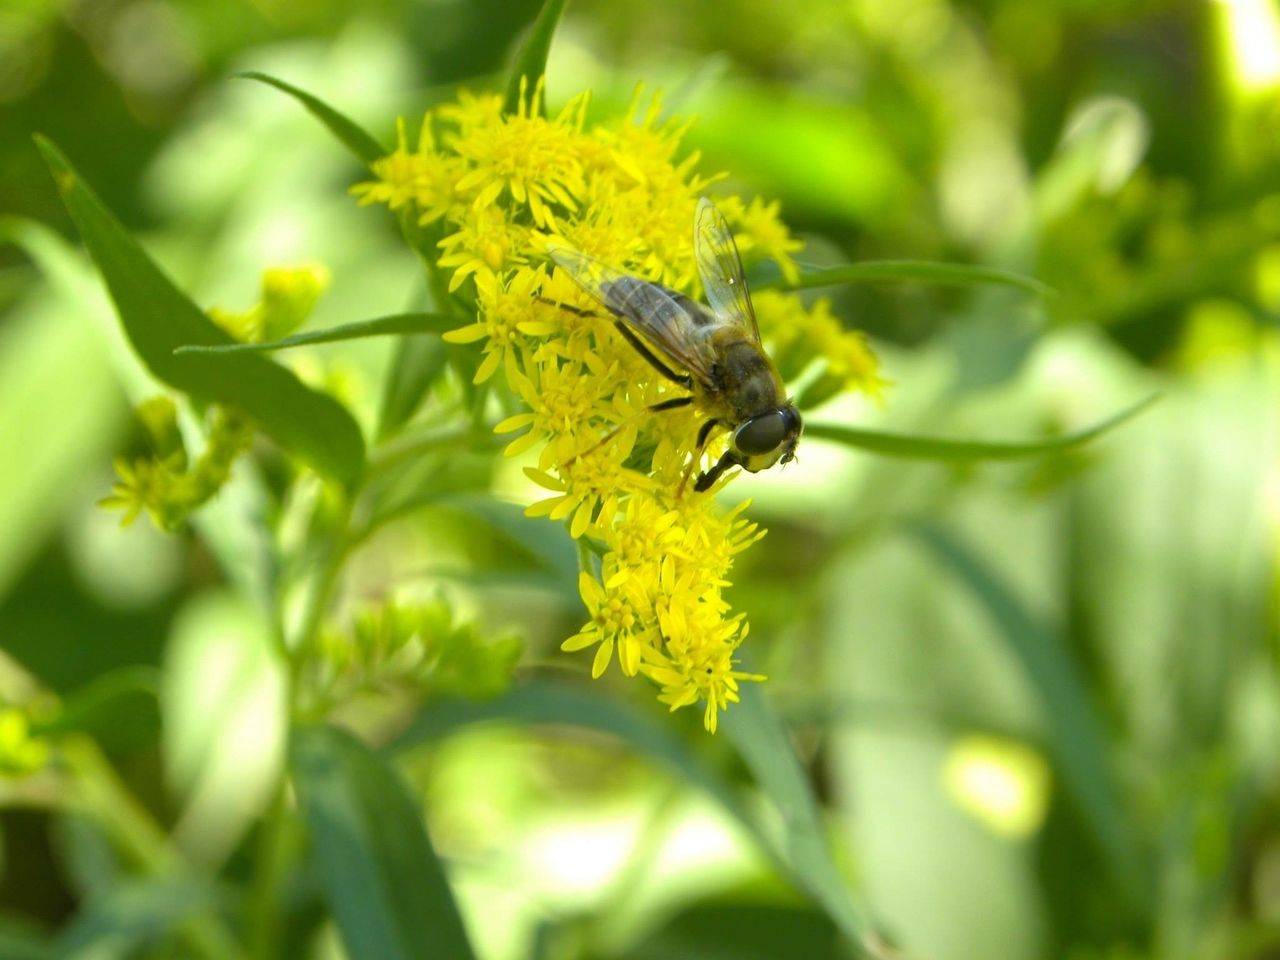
(756, 733)
(544, 540)
(531, 61)
(964, 451)
(382, 880)
(100, 702)
(158, 318)
(923, 271)
(60, 404)
(396, 323)
(224, 728)
(418, 362)
(19, 942)
(134, 916)
(559, 703)
(352, 136)
(227, 525)
(742, 929)
(1076, 736)
(762, 741)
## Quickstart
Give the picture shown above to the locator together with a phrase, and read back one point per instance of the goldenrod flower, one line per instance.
(510, 313)
(761, 233)
(621, 617)
(21, 753)
(288, 296)
(421, 177)
(524, 157)
(617, 472)
(484, 244)
(162, 484)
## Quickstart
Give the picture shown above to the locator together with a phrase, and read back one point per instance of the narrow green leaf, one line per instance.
(1076, 736)
(804, 854)
(351, 134)
(134, 916)
(964, 451)
(545, 541)
(762, 741)
(531, 61)
(417, 364)
(228, 525)
(60, 400)
(923, 271)
(744, 928)
(560, 703)
(397, 323)
(158, 318)
(20, 942)
(101, 700)
(418, 361)
(382, 880)
(224, 783)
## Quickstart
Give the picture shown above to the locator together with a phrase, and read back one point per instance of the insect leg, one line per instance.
(704, 433)
(730, 459)
(672, 404)
(567, 308)
(683, 380)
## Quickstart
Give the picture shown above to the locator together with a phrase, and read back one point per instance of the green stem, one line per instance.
(104, 798)
(272, 858)
(412, 445)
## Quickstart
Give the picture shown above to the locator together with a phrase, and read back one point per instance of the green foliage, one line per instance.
(964, 451)
(348, 133)
(159, 318)
(400, 324)
(381, 878)
(1022, 696)
(162, 484)
(531, 60)
(944, 274)
(418, 645)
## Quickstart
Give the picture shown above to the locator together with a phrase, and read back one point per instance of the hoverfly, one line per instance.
(726, 370)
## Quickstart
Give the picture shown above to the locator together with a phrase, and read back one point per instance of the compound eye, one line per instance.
(762, 434)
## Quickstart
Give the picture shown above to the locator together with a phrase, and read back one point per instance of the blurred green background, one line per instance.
(1117, 796)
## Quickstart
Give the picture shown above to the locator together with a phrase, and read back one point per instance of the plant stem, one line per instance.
(102, 796)
(411, 445)
(272, 859)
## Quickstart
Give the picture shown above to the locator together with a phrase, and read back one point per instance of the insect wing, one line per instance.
(652, 310)
(720, 267)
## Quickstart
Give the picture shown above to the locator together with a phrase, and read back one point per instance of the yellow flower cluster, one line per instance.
(289, 294)
(164, 484)
(498, 188)
(21, 752)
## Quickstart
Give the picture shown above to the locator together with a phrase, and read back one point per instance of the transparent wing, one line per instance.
(723, 281)
(672, 323)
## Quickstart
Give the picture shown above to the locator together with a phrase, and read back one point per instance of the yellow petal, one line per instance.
(520, 444)
(592, 595)
(542, 508)
(581, 521)
(580, 641)
(513, 423)
(487, 368)
(468, 334)
(629, 655)
(601, 663)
